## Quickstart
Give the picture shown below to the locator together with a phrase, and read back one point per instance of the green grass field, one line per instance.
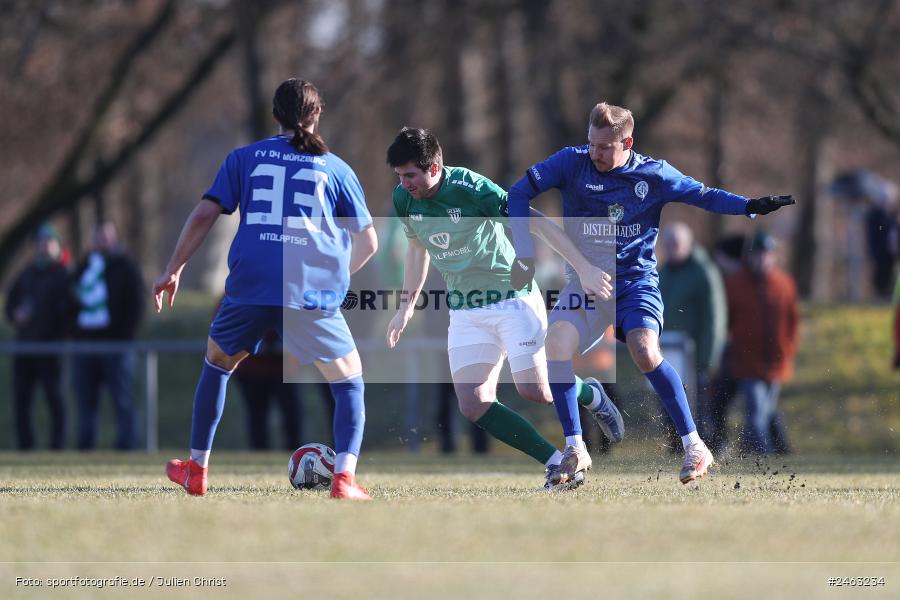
(456, 527)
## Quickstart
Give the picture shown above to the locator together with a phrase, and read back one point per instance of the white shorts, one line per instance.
(515, 328)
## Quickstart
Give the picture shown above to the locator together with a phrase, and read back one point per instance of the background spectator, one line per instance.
(447, 421)
(110, 295)
(433, 326)
(261, 379)
(38, 308)
(763, 331)
(694, 299)
(447, 424)
(896, 312)
(728, 256)
(881, 236)
(875, 199)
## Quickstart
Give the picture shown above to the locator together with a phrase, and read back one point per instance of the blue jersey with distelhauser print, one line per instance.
(623, 204)
(298, 211)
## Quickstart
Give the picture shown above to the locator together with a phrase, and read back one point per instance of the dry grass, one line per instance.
(449, 528)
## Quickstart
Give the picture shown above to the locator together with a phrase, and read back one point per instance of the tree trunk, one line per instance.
(247, 17)
(502, 104)
(716, 156)
(811, 121)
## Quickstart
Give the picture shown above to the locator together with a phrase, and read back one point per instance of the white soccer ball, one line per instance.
(311, 467)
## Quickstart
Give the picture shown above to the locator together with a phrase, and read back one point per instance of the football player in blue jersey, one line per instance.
(304, 230)
(613, 195)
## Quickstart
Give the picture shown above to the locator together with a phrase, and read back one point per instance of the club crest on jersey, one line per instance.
(616, 212)
(441, 240)
(640, 189)
(455, 214)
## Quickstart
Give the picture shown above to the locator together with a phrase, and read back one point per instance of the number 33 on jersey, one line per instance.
(297, 213)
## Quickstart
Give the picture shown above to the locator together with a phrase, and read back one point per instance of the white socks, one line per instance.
(201, 457)
(691, 438)
(574, 440)
(345, 462)
(555, 459)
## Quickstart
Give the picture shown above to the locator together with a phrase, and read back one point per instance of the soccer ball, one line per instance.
(311, 467)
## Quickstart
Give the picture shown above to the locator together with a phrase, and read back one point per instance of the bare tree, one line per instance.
(66, 188)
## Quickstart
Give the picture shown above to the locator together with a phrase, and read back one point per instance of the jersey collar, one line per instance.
(628, 163)
(445, 172)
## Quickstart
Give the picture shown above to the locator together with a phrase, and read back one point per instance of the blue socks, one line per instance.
(349, 414)
(565, 395)
(667, 383)
(209, 402)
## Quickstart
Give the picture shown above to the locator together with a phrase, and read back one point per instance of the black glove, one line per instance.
(522, 273)
(767, 204)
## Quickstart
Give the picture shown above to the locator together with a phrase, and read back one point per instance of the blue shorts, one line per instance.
(638, 305)
(310, 335)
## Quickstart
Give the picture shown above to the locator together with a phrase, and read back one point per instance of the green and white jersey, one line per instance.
(462, 227)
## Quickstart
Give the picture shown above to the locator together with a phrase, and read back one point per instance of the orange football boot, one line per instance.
(344, 486)
(189, 475)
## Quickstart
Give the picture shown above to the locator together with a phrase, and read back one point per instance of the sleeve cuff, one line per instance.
(533, 183)
(217, 201)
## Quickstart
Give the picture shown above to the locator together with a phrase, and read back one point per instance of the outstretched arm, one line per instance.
(414, 272)
(593, 279)
(682, 188)
(195, 230)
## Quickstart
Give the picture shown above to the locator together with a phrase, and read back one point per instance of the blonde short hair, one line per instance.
(617, 118)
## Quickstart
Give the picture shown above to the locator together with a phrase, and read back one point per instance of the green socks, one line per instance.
(585, 393)
(514, 430)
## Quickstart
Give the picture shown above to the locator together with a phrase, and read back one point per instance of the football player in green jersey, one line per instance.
(454, 218)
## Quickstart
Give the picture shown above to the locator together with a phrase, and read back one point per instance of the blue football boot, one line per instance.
(606, 414)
